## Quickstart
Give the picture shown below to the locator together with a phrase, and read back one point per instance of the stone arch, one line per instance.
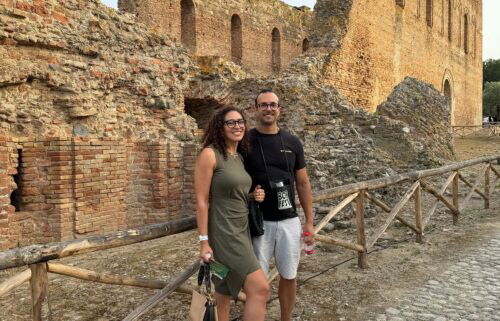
(450, 21)
(428, 12)
(466, 33)
(188, 25)
(201, 109)
(447, 88)
(276, 50)
(236, 39)
(305, 45)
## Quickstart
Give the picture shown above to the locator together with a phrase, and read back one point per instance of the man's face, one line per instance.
(267, 110)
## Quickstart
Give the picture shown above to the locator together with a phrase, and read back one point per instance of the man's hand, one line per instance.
(308, 227)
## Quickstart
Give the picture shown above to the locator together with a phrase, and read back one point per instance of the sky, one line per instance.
(491, 24)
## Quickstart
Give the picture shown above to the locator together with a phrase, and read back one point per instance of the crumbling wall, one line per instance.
(209, 30)
(92, 111)
(102, 120)
(386, 42)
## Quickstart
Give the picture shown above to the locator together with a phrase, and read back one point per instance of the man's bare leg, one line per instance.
(287, 293)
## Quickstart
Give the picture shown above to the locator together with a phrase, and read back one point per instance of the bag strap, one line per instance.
(204, 277)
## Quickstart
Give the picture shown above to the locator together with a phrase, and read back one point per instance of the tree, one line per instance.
(491, 100)
(491, 71)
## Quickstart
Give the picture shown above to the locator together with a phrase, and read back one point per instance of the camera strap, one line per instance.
(264, 158)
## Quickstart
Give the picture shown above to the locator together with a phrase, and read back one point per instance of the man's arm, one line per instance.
(305, 198)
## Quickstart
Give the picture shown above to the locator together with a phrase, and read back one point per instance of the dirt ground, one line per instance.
(331, 286)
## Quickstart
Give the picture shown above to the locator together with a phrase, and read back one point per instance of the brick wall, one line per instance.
(386, 43)
(80, 186)
(211, 27)
(7, 169)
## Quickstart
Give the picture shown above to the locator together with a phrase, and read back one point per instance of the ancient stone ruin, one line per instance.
(101, 111)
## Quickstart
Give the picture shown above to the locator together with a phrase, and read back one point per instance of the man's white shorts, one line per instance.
(281, 239)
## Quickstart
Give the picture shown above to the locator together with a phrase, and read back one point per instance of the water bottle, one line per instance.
(308, 248)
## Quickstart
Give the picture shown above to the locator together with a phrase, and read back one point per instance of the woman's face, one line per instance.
(234, 126)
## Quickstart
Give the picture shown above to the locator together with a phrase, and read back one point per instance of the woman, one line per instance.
(222, 193)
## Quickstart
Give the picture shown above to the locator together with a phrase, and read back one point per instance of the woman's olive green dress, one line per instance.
(228, 231)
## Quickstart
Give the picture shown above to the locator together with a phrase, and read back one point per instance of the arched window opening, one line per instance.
(236, 40)
(428, 12)
(447, 89)
(188, 25)
(305, 45)
(450, 21)
(466, 34)
(201, 110)
(276, 50)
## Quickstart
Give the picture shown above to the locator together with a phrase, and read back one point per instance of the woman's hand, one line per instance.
(206, 252)
(259, 194)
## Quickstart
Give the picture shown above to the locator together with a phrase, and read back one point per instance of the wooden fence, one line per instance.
(38, 257)
(487, 129)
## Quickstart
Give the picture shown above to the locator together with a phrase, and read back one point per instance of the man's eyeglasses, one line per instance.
(231, 123)
(272, 106)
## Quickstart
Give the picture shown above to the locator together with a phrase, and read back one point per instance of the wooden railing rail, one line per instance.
(38, 257)
(44, 252)
(491, 129)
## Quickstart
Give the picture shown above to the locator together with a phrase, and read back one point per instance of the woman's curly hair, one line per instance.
(215, 133)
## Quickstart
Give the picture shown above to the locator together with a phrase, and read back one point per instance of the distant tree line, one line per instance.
(491, 88)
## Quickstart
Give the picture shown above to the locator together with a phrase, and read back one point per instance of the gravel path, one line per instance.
(468, 290)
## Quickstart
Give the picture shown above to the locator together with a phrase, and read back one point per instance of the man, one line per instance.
(276, 162)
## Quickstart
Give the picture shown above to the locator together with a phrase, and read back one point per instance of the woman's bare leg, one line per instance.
(223, 303)
(257, 291)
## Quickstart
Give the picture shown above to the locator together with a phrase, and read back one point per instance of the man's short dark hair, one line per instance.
(264, 91)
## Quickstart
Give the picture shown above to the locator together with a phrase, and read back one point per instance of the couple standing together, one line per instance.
(269, 162)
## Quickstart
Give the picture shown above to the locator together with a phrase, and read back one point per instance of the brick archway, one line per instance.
(447, 89)
(201, 110)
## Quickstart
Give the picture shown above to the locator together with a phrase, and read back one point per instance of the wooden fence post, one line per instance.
(487, 186)
(39, 292)
(360, 227)
(417, 196)
(455, 197)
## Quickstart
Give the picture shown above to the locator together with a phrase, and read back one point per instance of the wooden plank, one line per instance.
(418, 212)
(339, 242)
(394, 212)
(494, 185)
(391, 180)
(487, 187)
(439, 196)
(15, 281)
(41, 253)
(360, 229)
(434, 206)
(88, 275)
(272, 275)
(495, 170)
(39, 292)
(477, 190)
(92, 276)
(387, 209)
(456, 201)
(163, 293)
(474, 187)
(334, 211)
